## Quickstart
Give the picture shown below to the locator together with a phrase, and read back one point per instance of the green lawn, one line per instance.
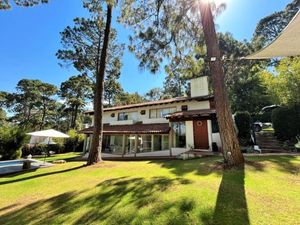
(266, 191)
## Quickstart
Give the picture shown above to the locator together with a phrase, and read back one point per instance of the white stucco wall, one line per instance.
(199, 86)
(216, 138)
(189, 129)
(192, 105)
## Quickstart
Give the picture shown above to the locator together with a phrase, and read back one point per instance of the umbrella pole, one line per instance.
(45, 152)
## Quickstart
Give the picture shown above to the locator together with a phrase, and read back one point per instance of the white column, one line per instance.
(209, 130)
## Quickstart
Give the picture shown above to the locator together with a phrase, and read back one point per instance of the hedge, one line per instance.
(286, 122)
(243, 124)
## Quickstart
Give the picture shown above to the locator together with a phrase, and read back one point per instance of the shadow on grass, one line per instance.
(37, 175)
(231, 205)
(117, 201)
(205, 166)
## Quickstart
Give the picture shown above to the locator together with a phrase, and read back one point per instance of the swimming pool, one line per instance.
(12, 166)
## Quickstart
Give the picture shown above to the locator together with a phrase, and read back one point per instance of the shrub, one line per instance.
(75, 142)
(40, 149)
(286, 122)
(11, 141)
(243, 123)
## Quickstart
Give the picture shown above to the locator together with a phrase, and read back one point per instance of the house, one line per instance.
(160, 128)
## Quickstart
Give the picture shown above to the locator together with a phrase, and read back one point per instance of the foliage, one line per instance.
(11, 140)
(243, 123)
(3, 117)
(245, 89)
(32, 104)
(75, 92)
(286, 122)
(82, 46)
(154, 94)
(6, 4)
(284, 84)
(271, 26)
(41, 149)
(126, 98)
(75, 142)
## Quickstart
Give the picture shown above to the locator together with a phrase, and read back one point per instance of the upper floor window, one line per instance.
(127, 116)
(161, 113)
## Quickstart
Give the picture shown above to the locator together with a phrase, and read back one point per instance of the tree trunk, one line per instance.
(43, 116)
(231, 149)
(74, 117)
(95, 152)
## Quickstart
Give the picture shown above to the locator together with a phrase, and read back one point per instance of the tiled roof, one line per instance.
(158, 128)
(191, 114)
(159, 102)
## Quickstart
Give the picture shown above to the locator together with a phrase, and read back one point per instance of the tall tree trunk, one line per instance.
(75, 117)
(95, 152)
(43, 116)
(231, 149)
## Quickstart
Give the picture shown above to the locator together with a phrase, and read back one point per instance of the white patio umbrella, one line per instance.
(49, 133)
(45, 136)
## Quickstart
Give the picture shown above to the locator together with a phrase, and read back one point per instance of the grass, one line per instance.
(265, 191)
(66, 156)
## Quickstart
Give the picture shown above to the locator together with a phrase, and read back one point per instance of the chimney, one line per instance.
(199, 86)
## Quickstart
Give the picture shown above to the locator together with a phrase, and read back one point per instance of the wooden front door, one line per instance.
(200, 134)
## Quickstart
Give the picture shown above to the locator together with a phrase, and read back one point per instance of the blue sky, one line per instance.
(30, 38)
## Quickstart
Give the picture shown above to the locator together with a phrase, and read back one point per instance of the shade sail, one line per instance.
(49, 133)
(286, 44)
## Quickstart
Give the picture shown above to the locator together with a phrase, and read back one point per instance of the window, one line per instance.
(180, 137)
(157, 142)
(215, 125)
(127, 116)
(144, 143)
(152, 113)
(116, 144)
(165, 142)
(161, 113)
(184, 108)
(122, 116)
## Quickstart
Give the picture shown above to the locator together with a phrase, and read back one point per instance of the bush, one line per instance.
(11, 141)
(243, 123)
(286, 122)
(74, 143)
(40, 149)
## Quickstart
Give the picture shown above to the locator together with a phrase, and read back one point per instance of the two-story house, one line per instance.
(160, 128)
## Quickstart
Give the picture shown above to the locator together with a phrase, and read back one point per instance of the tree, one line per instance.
(126, 98)
(75, 92)
(245, 89)
(91, 46)
(3, 117)
(32, 102)
(6, 4)
(231, 149)
(284, 84)
(271, 26)
(154, 94)
(46, 103)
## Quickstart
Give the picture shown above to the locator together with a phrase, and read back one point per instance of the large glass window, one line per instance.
(144, 143)
(180, 137)
(161, 113)
(106, 143)
(165, 142)
(116, 144)
(130, 144)
(157, 142)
